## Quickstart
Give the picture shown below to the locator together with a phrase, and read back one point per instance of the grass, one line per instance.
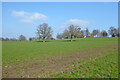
(36, 53)
(105, 66)
(20, 51)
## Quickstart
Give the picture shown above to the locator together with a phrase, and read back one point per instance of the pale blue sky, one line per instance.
(24, 17)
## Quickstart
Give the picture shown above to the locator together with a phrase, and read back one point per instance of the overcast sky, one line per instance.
(24, 17)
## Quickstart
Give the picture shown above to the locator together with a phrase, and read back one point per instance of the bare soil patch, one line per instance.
(42, 67)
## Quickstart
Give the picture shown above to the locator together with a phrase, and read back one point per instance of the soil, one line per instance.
(42, 67)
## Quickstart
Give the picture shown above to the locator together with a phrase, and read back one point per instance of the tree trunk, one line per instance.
(43, 39)
(71, 38)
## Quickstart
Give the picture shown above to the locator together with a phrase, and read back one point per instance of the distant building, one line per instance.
(84, 36)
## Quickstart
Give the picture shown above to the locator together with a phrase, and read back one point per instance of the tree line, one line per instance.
(76, 32)
(21, 38)
(45, 32)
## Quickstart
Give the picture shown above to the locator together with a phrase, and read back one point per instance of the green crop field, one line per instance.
(84, 57)
(105, 66)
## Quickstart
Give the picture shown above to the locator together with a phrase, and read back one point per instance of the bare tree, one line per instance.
(7, 39)
(82, 33)
(72, 30)
(116, 32)
(87, 32)
(66, 34)
(77, 32)
(12, 39)
(104, 33)
(59, 36)
(113, 31)
(30, 39)
(95, 32)
(22, 38)
(91, 35)
(44, 32)
(3, 39)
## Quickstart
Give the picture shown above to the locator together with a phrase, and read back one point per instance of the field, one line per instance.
(84, 57)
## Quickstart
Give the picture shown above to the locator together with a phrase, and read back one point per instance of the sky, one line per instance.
(23, 18)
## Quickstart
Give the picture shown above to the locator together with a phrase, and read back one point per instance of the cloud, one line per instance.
(26, 17)
(77, 22)
(38, 16)
(20, 13)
